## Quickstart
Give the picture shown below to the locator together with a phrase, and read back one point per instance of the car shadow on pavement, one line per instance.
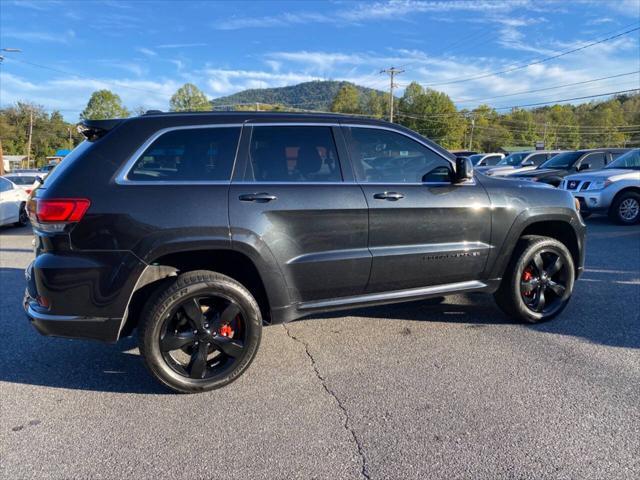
(30, 358)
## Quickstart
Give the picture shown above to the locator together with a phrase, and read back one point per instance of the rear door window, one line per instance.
(293, 154)
(188, 155)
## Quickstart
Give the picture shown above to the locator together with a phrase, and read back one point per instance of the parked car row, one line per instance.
(603, 180)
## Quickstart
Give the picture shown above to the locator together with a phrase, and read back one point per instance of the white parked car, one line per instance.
(27, 181)
(519, 162)
(614, 190)
(13, 201)
(486, 159)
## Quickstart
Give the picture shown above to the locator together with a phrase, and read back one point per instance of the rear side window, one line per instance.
(189, 155)
(293, 154)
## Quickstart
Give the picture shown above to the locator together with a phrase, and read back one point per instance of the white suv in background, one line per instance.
(614, 190)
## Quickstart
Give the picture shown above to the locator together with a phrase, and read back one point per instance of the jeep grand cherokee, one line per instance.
(197, 228)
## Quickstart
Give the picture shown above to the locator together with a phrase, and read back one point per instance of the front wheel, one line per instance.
(539, 280)
(625, 208)
(201, 333)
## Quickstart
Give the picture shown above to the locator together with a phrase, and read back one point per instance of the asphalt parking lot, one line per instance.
(417, 390)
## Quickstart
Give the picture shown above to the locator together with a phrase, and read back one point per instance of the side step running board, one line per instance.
(392, 297)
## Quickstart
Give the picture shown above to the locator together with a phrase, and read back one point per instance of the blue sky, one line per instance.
(144, 50)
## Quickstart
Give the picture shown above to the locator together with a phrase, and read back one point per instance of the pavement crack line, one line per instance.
(347, 419)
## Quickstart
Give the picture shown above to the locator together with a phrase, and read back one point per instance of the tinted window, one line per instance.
(22, 180)
(5, 185)
(537, 159)
(513, 159)
(476, 158)
(595, 160)
(293, 154)
(629, 160)
(388, 157)
(492, 160)
(562, 160)
(197, 154)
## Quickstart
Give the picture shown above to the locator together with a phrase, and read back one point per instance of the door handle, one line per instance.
(257, 197)
(393, 196)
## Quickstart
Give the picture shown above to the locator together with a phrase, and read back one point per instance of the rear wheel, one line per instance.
(201, 333)
(625, 208)
(539, 280)
(23, 218)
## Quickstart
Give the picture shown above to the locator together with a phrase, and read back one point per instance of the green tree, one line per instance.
(522, 124)
(489, 134)
(433, 114)
(347, 100)
(376, 104)
(104, 104)
(189, 98)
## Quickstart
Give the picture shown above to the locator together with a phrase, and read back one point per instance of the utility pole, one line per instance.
(257, 107)
(392, 72)
(473, 124)
(29, 140)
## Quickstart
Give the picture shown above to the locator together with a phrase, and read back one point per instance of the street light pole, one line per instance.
(8, 50)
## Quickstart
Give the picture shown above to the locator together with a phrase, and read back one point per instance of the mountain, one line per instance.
(316, 95)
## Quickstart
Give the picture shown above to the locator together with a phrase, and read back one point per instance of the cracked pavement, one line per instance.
(416, 390)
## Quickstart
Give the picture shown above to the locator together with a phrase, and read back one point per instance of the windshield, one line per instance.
(513, 159)
(562, 160)
(21, 180)
(630, 160)
(476, 158)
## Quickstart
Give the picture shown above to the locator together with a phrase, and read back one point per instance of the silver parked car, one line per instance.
(614, 190)
(486, 159)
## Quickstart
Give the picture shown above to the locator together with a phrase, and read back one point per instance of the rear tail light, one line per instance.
(28, 190)
(53, 215)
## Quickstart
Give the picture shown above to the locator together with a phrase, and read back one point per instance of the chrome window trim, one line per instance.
(122, 175)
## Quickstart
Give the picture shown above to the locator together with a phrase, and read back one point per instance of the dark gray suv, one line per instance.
(195, 229)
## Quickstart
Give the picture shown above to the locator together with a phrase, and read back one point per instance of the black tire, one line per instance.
(171, 319)
(23, 218)
(523, 281)
(625, 208)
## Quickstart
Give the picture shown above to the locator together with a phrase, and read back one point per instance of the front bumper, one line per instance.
(594, 200)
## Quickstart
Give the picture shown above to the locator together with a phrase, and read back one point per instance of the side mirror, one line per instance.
(527, 163)
(464, 169)
(584, 166)
(39, 179)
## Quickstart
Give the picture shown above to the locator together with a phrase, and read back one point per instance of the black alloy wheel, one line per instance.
(543, 282)
(199, 331)
(203, 336)
(538, 281)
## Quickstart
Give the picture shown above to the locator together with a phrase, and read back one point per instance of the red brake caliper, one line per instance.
(226, 331)
(527, 275)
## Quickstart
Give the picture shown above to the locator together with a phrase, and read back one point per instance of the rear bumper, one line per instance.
(80, 295)
(68, 326)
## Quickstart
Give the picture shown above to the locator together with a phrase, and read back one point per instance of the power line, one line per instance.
(547, 88)
(537, 62)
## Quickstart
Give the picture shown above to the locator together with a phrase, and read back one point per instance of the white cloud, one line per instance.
(181, 45)
(39, 36)
(146, 51)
